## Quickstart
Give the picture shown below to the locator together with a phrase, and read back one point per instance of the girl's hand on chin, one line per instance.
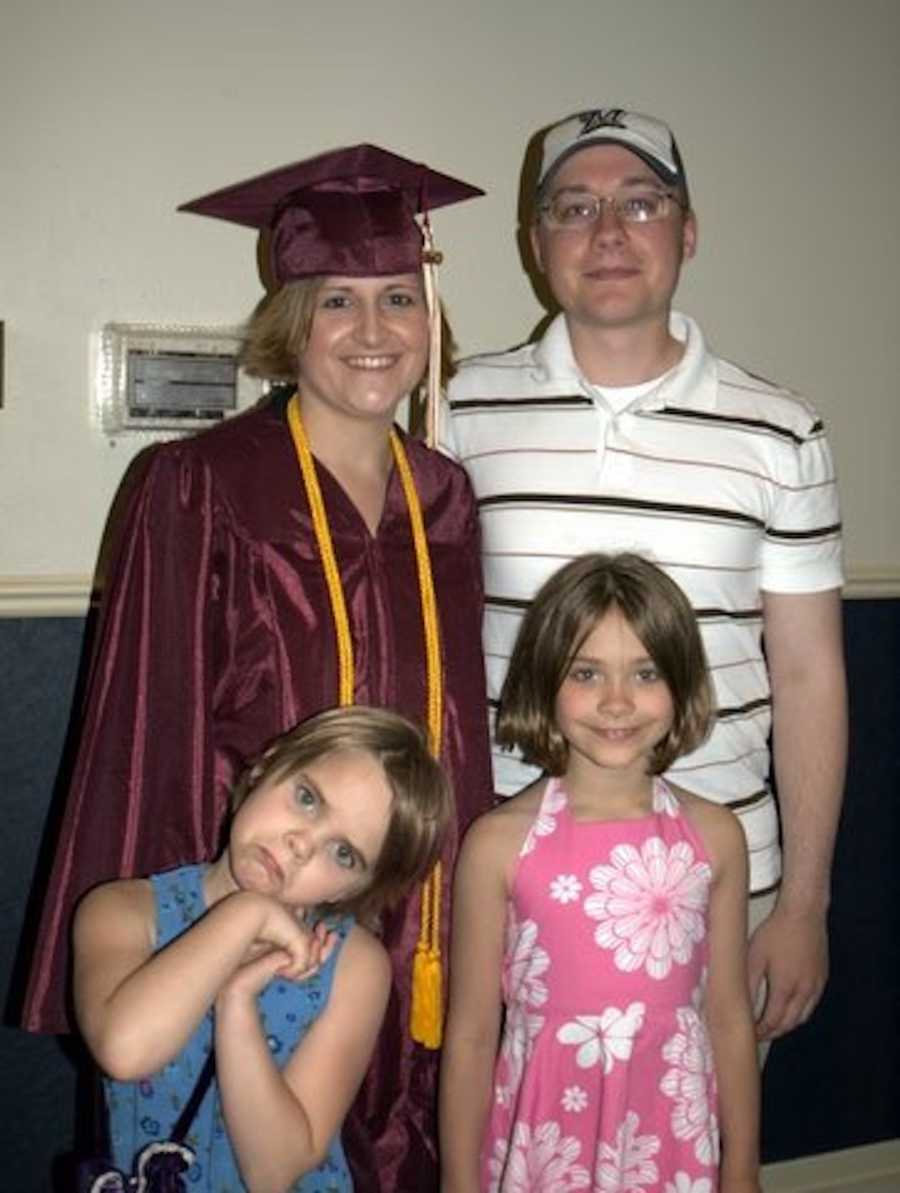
(286, 928)
(281, 941)
(296, 962)
(307, 953)
(252, 977)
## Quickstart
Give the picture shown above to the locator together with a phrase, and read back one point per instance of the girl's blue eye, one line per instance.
(306, 798)
(344, 855)
(335, 302)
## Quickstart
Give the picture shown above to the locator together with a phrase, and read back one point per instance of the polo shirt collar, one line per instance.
(693, 382)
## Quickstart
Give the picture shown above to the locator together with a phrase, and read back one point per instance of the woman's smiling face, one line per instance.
(367, 347)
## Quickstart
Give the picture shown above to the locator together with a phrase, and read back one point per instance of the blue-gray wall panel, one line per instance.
(833, 1084)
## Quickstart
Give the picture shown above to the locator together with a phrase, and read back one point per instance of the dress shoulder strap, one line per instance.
(553, 802)
(178, 901)
(667, 804)
(664, 798)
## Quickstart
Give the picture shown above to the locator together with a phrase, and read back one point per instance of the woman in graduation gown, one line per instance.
(235, 610)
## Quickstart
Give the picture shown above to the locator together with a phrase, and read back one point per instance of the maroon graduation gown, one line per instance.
(216, 635)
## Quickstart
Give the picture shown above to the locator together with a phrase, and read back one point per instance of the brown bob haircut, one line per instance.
(421, 808)
(565, 610)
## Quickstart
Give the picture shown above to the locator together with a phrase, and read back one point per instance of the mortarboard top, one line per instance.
(348, 212)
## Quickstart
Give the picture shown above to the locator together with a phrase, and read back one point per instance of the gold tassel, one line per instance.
(426, 1018)
(431, 258)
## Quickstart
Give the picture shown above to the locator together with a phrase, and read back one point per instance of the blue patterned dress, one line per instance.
(141, 1112)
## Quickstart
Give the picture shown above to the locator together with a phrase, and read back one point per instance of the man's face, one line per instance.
(613, 274)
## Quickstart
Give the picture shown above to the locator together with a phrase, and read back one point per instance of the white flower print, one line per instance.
(565, 888)
(627, 1165)
(545, 822)
(605, 1038)
(525, 964)
(525, 988)
(574, 1099)
(691, 1084)
(518, 1040)
(542, 1162)
(686, 1184)
(650, 905)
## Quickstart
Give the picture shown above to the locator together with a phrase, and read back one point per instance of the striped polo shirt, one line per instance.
(724, 480)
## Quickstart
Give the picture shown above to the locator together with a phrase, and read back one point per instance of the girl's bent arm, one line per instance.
(136, 1008)
(728, 1010)
(473, 1020)
(280, 1122)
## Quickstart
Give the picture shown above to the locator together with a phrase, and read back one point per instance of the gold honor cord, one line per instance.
(426, 1015)
(326, 551)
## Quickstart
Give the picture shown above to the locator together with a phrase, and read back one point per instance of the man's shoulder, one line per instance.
(495, 374)
(746, 395)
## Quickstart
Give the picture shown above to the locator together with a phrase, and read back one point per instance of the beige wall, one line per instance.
(115, 111)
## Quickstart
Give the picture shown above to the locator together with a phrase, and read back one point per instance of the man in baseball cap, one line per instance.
(646, 137)
(619, 429)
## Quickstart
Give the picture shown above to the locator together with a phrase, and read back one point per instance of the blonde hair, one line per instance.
(278, 330)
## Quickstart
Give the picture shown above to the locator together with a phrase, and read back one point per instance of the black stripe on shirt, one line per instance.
(814, 532)
(751, 424)
(572, 401)
(589, 502)
(741, 710)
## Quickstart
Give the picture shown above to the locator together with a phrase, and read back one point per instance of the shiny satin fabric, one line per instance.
(215, 636)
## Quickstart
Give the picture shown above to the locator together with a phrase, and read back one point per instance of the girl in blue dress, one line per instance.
(263, 957)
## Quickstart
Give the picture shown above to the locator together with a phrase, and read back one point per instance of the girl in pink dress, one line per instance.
(600, 915)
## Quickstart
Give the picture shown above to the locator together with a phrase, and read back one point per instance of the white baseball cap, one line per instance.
(644, 135)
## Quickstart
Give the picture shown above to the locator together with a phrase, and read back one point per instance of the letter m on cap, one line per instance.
(601, 118)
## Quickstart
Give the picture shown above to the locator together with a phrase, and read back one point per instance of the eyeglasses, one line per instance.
(576, 210)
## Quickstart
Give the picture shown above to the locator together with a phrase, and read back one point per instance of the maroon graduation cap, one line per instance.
(349, 212)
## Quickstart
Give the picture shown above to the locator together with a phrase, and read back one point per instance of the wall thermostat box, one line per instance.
(153, 377)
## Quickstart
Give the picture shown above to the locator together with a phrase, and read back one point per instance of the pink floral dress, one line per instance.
(605, 1079)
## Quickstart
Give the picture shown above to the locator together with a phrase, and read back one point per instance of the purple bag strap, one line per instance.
(192, 1105)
